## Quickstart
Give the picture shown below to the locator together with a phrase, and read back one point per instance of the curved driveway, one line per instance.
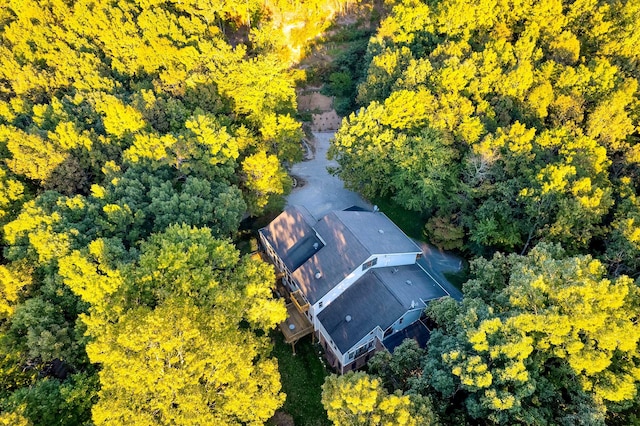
(323, 193)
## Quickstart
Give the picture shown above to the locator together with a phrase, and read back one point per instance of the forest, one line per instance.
(136, 135)
(511, 128)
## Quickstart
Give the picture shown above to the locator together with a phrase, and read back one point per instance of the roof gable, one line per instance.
(368, 303)
(379, 298)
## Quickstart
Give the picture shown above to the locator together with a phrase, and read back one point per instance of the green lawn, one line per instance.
(302, 376)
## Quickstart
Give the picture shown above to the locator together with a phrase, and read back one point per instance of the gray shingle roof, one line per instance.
(342, 254)
(378, 298)
(292, 236)
(410, 283)
(417, 331)
(377, 233)
(369, 303)
(351, 237)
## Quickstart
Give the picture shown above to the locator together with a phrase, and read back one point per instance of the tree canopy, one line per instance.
(179, 333)
(512, 128)
(133, 133)
(136, 135)
(544, 338)
(504, 125)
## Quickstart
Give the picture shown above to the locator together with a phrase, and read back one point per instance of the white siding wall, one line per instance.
(376, 332)
(407, 319)
(385, 260)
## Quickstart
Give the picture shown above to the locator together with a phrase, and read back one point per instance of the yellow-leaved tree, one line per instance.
(264, 177)
(360, 399)
(542, 337)
(180, 332)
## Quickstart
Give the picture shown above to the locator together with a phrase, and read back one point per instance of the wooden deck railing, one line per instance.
(298, 299)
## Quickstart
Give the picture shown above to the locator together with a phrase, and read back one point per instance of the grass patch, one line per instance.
(411, 222)
(302, 376)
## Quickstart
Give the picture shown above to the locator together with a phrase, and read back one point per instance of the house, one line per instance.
(353, 280)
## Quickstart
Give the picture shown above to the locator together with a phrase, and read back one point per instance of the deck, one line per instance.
(296, 326)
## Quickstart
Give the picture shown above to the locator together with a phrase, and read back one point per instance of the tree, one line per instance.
(623, 243)
(54, 402)
(396, 371)
(32, 155)
(197, 202)
(13, 419)
(358, 399)
(174, 365)
(44, 327)
(265, 179)
(11, 193)
(537, 338)
(282, 137)
(387, 149)
(15, 279)
(533, 114)
(181, 335)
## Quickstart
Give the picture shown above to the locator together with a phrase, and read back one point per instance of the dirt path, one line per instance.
(323, 117)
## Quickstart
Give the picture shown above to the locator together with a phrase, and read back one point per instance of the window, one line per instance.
(369, 264)
(363, 349)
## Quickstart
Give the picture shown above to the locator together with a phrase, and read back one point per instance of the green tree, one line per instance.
(180, 334)
(537, 338)
(55, 402)
(385, 150)
(358, 399)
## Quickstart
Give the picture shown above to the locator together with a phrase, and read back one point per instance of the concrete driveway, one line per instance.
(323, 193)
